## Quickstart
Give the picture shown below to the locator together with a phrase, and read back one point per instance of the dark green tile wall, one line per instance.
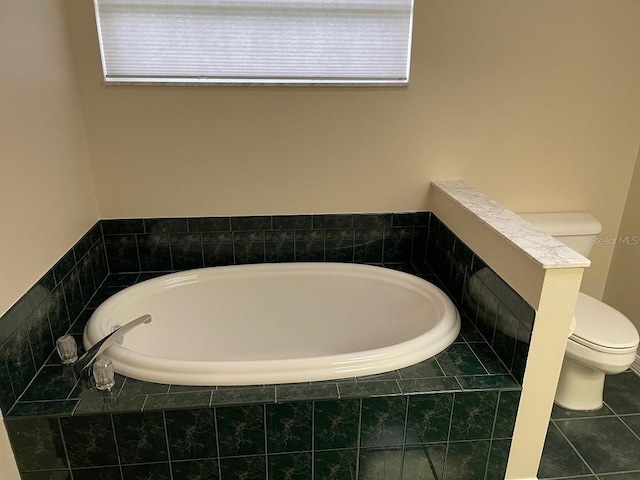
(28, 330)
(432, 436)
(162, 245)
(383, 427)
(484, 300)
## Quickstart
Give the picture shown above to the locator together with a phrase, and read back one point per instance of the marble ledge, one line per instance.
(541, 247)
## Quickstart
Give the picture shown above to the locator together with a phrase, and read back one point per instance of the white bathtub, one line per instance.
(275, 323)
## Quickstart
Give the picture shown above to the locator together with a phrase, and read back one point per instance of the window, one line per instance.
(255, 41)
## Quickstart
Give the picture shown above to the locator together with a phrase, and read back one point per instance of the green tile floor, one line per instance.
(598, 445)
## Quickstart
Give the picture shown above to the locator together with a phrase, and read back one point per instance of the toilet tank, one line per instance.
(576, 229)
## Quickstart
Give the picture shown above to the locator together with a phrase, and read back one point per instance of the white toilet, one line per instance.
(603, 340)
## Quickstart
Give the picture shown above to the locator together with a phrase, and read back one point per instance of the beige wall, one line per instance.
(623, 283)
(537, 104)
(47, 200)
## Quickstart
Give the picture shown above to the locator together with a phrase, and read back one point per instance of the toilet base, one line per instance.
(579, 387)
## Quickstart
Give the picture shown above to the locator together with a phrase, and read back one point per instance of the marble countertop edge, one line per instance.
(538, 245)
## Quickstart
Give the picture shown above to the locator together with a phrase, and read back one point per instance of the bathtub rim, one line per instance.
(306, 369)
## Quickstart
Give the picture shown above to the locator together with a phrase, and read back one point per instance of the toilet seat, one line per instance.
(603, 328)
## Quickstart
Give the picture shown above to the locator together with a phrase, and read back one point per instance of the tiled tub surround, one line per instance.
(163, 245)
(28, 330)
(452, 413)
(467, 396)
(485, 301)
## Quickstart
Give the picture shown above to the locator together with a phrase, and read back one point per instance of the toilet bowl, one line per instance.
(602, 341)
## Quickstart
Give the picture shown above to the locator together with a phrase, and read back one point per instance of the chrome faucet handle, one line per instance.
(90, 355)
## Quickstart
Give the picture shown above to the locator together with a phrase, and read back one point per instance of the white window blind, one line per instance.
(255, 41)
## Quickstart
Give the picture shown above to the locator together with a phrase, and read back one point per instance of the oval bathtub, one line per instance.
(275, 323)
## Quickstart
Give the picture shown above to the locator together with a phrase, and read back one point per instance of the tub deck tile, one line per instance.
(487, 382)
(121, 280)
(392, 375)
(110, 404)
(51, 383)
(488, 358)
(170, 401)
(138, 387)
(190, 388)
(444, 374)
(459, 360)
(470, 364)
(369, 389)
(81, 321)
(59, 408)
(429, 385)
(290, 392)
(426, 369)
(86, 388)
(243, 396)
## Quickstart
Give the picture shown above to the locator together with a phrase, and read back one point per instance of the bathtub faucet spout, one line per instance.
(83, 363)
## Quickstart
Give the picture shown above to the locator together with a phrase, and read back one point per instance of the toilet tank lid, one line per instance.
(564, 224)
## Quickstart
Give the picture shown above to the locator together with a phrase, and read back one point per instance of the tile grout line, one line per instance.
(64, 446)
(115, 441)
(404, 436)
(215, 426)
(448, 443)
(313, 438)
(265, 426)
(573, 447)
(359, 439)
(166, 439)
(493, 431)
(621, 418)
